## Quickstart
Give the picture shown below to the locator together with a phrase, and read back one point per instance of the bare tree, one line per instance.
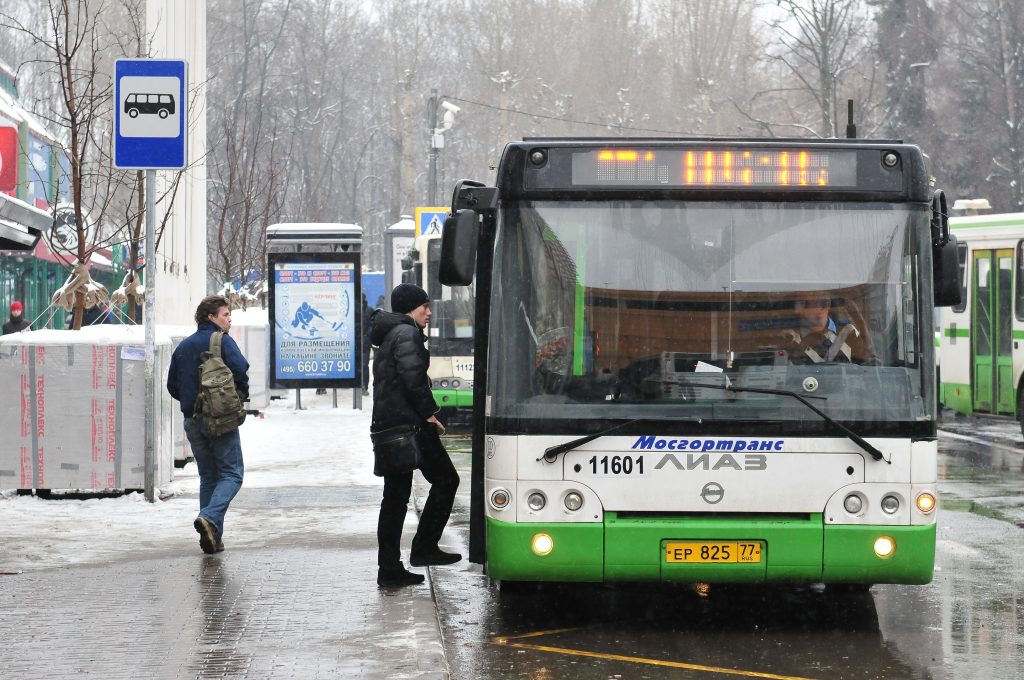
(987, 86)
(249, 162)
(71, 32)
(709, 44)
(821, 42)
(78, 43)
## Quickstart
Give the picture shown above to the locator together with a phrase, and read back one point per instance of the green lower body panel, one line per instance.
(791, 548)
(453, 398)
(850, 556)
(634, 549)
(957, 397)
(577, 553)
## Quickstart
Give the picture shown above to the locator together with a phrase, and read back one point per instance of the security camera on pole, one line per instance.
(150, 125)
(437, 137)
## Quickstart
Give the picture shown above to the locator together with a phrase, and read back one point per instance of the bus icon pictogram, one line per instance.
(159, 104)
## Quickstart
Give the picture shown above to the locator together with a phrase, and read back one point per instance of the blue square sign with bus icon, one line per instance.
(150, 114)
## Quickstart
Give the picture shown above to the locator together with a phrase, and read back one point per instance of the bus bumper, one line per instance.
(793, 550)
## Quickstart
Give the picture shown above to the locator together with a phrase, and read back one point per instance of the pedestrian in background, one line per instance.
(17, 322)
(402, 396)
(219, 459)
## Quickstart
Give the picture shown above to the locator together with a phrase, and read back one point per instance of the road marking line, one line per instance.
(503, 639)
(983, 442)
(507, 640)
(651, 662)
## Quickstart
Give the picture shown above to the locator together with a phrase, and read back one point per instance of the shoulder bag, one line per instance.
(395, 450)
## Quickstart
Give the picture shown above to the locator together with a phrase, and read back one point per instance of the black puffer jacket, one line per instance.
(401, 388)
(16, 325)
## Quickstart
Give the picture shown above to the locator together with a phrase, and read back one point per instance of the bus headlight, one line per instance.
(853, 504)
(499, 499)
(890, 504)
(536, 501)
(573, 501)
(885, 546)
(542, 545)
(926, 502)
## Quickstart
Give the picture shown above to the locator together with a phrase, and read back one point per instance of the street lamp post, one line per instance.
(437, 138)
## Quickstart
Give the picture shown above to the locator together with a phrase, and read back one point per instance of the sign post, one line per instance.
(150, 122)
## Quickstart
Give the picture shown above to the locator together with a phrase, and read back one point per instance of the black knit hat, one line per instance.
(407, 297)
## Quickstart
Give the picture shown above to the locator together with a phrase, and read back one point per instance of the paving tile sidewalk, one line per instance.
(293, 596)
(281, 612)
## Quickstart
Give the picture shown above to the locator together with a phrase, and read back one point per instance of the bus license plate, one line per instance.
(714, 552)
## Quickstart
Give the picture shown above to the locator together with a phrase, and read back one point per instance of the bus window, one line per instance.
(961, 256)
(1018, 304)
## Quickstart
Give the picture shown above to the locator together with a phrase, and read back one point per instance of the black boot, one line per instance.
(397, 578)
(435, 557)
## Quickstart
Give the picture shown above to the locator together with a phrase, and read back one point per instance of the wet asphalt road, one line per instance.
(968, 623)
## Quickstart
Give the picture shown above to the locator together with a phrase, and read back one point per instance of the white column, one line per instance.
(178, 30)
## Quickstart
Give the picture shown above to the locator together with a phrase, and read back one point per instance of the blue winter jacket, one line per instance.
(183, 375)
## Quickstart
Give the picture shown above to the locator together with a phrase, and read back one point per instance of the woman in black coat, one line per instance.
(402, 395)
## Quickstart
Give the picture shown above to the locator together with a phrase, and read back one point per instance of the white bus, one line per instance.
(982, 338)
(703, 360)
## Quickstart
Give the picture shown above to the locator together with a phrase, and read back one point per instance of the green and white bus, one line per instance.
(982, 338)
(645, 408)
(450, 333)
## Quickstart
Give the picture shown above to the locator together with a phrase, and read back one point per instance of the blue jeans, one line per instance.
(220, 471)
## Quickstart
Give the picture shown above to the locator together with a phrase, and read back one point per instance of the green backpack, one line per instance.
(218, 409)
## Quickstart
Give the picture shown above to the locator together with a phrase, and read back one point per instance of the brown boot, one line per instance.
(207, 534)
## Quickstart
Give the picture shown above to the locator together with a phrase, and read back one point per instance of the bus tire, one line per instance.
(848, 588)
(515, 587)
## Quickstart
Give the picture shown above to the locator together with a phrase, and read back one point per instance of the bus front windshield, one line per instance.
(703, 310)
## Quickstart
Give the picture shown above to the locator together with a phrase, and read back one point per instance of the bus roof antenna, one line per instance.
(851, 129)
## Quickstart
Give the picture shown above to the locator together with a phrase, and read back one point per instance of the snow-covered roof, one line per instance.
(11, 109)
(314, 232)
(100, 259)
(405, 223)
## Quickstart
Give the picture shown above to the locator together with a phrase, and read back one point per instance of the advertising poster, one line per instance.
(315, 308)
(8, 159)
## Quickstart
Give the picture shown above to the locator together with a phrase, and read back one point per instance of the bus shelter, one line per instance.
(315, 308)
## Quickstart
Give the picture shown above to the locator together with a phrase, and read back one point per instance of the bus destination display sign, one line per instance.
(736, 167)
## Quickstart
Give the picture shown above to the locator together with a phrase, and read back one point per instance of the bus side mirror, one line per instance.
(946, 274)
(458, 248)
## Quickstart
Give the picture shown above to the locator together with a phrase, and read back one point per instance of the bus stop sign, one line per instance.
(150, 114)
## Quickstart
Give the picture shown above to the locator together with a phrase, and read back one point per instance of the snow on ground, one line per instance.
(318, 447)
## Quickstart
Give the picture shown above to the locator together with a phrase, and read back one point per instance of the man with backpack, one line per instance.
(208, 376)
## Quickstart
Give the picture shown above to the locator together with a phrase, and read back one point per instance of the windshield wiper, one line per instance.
(552, 453)
(854, 437)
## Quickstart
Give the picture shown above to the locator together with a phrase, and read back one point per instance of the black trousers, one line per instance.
(438, 469)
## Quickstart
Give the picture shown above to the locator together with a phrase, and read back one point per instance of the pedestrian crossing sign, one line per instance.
(430, 221)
